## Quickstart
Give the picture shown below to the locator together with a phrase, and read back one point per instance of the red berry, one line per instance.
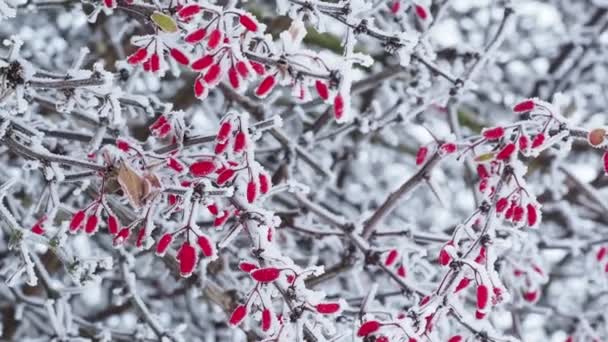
(77, 220)
(421, 12)
(238, 315)
(122, 145)
(233, 77)
(328, 308)
(464, 282)
(251, 191)
(421, 155)
(524, 106)
(240, 141)
(601, 253)
(322, 89)
(264, 183)
(265, 86)
(494, 133)
(266, 319)
(538, 140)
(368, 328)
(213, 74)
(188, 11)
(242, 69)
(202, 63)
(91, 225)
(401, 271)
(214, 38)
(163, 244)
(138, 56)
(258, 68)
(179, 56)
(202, 168)
(248, 22)
(532, 214)
(338, 106)
(205, 244)
(225, 176)
(187, 259)
(482, 296)
(112, 225)
(391, 257)
(266, 275)
(506, 152)
(195, 36)
(247, 266)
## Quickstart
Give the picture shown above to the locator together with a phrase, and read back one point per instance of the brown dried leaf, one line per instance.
(132, 184)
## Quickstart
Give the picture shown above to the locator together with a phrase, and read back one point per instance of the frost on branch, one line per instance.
(354, 170)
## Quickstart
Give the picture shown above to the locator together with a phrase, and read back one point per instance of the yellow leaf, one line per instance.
(164, 22)
(484, 157)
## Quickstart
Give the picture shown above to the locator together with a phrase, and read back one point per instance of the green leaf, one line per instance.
(164, 22)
